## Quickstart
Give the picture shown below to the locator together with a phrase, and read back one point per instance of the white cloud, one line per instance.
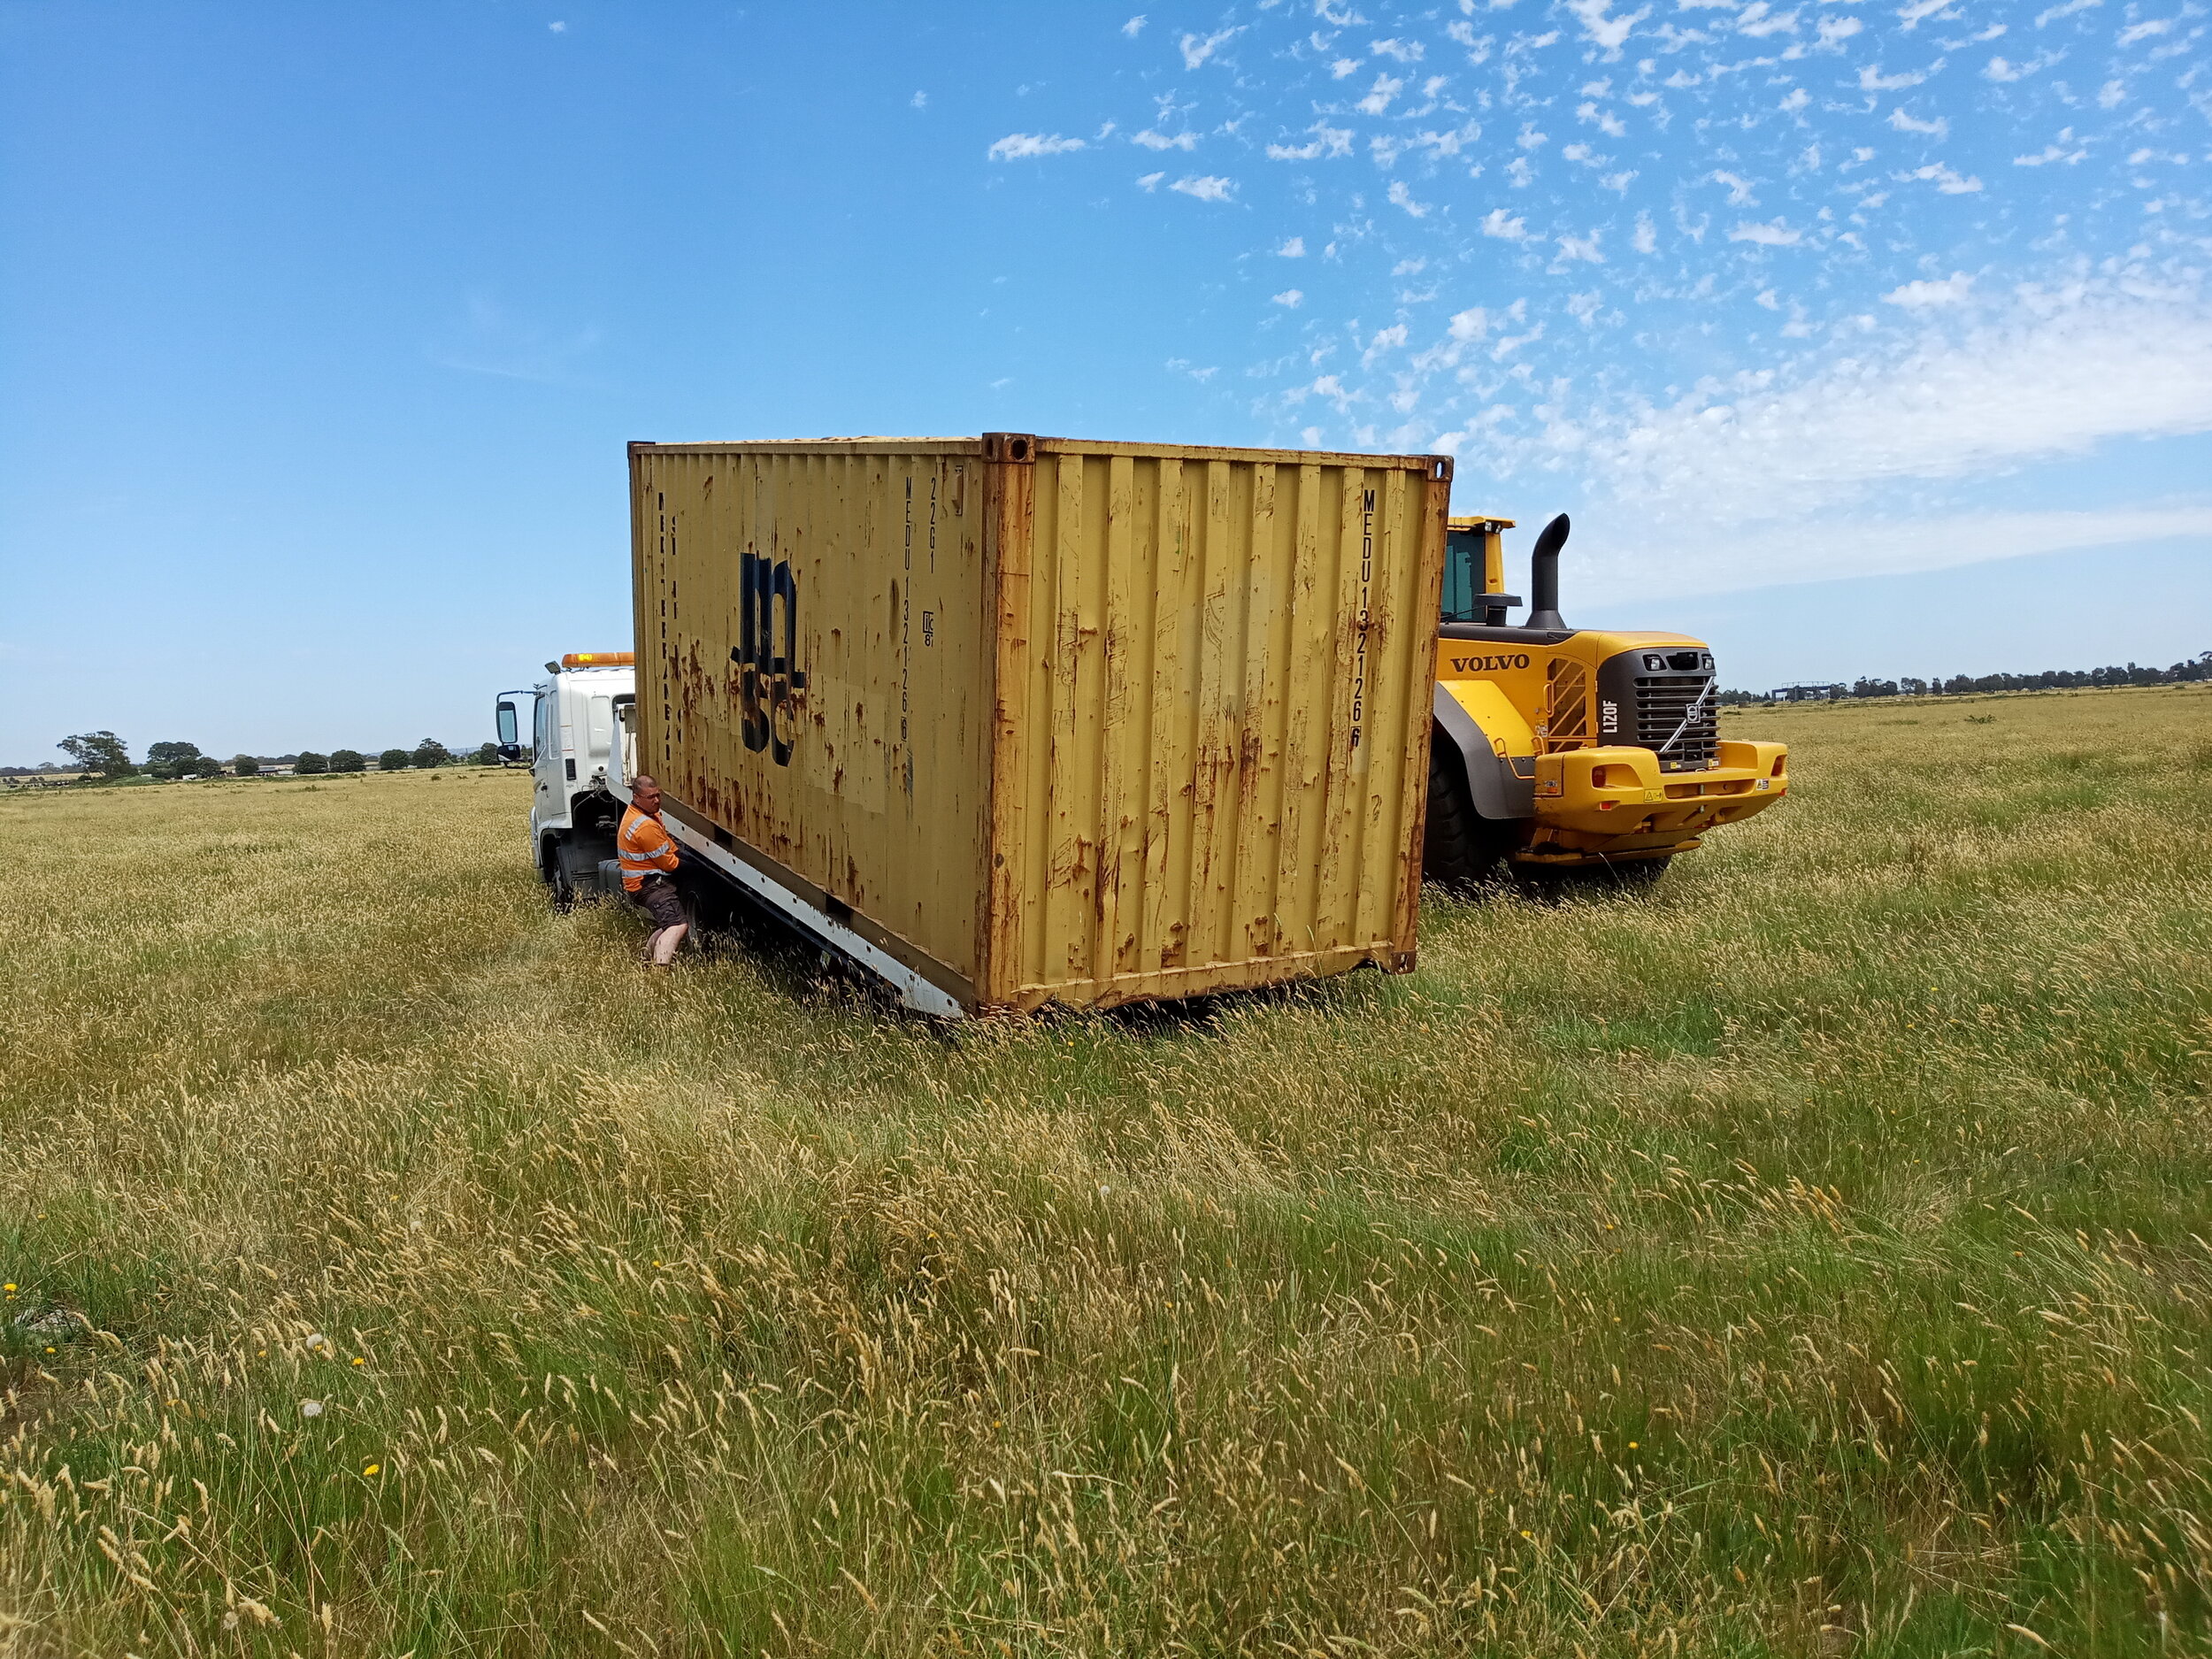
(1776, 234)
(1797, 100)
(1151, 181)
(1404, 51)
(1834, 31)
(1582, 248)
(1210, 187)
(2003, 70)
(1647, 237)
(1903, 123)
(1504, 226)
(1401, 196)
(1738, 189)
(1291, 298)
(1379, 95)
(1911, 14)
(919, 101)
(1470, 326)
(2067, 150)
(1196, 50)
(1607, 122)
(2052, 13)
(1151, 139)
(1326, 140)
(1134, 27)
(1294, 248)
(1756, 21)
(557, 29)
(2059, 375)
(1917, 295)
(2136, 32)
(1328, 386)
(1943, 178)
(1608, 32)
(1344, 66)
(1016, 146)
(1873, 79)
(1862, 544)
(1388, 339)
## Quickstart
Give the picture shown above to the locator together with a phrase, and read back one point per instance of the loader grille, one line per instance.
(1662, 705)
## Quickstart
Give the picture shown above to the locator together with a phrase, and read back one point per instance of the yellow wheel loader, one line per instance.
(1559, 749)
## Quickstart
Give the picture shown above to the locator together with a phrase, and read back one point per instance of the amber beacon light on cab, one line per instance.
(1558, 749)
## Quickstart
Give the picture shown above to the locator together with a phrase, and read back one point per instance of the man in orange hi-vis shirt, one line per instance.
(648, 855)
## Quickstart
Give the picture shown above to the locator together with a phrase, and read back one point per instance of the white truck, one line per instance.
(582, 757)
(569, 722)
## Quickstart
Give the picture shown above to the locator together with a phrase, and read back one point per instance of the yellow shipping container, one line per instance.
(1048, 720)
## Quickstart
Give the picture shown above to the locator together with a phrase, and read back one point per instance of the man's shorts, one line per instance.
(658, 896)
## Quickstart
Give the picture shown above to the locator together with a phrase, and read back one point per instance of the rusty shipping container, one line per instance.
(1046, 721)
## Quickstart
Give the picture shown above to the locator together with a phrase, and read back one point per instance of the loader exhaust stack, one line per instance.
(1543, 575)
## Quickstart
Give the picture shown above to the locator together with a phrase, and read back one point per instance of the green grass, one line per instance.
(1808, 1258)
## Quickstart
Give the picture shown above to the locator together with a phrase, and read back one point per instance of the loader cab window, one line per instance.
(1463, 577)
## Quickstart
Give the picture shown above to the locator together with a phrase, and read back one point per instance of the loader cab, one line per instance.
(1474, 573)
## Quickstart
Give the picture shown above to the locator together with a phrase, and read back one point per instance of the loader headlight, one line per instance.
(1654, 662)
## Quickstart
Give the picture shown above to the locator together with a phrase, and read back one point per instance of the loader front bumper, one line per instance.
(1600, 805)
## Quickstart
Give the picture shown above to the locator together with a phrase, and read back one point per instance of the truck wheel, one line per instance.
(554, 872)
(1460, 848)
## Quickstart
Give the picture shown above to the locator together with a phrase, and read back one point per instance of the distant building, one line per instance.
(1807, 694)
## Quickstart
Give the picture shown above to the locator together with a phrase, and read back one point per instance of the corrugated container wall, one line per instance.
(1052, 720)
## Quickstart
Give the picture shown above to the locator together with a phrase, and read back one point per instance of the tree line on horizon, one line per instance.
(104, 756)
(2194, 668)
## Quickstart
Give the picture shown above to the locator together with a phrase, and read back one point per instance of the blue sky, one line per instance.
(1859, 337)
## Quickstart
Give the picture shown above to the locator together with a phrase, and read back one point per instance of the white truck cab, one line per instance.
(572, 721)
(583, 744)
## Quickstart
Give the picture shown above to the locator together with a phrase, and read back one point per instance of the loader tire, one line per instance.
(1459, 849)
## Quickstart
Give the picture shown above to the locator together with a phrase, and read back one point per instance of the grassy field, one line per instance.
(1809, 1257)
